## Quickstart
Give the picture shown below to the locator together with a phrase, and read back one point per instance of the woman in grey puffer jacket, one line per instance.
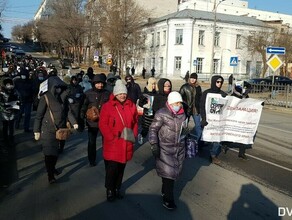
(166, 146)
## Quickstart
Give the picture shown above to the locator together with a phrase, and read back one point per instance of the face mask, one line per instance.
(41, 78)
(77, 95)
(23, 77)
(176, 108)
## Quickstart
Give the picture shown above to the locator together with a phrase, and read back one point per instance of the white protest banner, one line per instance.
(231, 119)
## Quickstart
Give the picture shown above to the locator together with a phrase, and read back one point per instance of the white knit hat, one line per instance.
(174, 97)
(119, 88)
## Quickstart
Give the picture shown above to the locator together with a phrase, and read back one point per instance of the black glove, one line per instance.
(204, 123)
(155, 150)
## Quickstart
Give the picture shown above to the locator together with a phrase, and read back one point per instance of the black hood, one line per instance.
(160, 85)
(214, 88)
(55, 81)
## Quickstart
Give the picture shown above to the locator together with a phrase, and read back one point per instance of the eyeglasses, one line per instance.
(219, 82)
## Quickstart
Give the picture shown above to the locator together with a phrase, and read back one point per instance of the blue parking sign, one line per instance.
(233, 61)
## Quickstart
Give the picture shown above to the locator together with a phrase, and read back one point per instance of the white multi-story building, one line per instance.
(183, 41)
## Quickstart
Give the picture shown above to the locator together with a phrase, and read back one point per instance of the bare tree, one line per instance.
(257, 42)
(284, 39)
(65, 27)
(16, 32)
(120, 25)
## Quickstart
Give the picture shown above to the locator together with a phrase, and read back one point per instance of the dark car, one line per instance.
(267, 83)
(66, 63)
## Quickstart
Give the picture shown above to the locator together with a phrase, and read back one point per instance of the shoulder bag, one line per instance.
(92, 113)
(61, 133)
(127, 133)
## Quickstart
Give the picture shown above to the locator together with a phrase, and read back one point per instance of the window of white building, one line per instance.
(161, 65)
(158, 39)
(215, 65)
(199, 67)
(238, 41)
(248, 67)
(153, 62)
(201, 37)
(179, 36)
(217, 39)
(164, 38)
(177, 61)
(258, 68)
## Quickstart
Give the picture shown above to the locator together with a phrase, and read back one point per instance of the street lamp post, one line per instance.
(214, 33)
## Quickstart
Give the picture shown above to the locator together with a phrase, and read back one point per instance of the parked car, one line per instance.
(66, 63)
(19, 53)
(270, 82)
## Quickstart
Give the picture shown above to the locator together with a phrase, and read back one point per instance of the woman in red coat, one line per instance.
(117, 113)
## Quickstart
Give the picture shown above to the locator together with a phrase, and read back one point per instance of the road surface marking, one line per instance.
(289, 132)
(265, 161)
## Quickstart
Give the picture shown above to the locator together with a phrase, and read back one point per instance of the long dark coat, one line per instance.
(165, 131)
(43, 122)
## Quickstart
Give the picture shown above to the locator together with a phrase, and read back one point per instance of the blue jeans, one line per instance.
(215, 149)
(198, 128)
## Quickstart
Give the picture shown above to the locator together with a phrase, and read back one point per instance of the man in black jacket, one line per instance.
(216, 85)
(191, 93)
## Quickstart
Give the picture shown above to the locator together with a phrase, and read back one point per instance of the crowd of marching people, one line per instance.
(107, 104)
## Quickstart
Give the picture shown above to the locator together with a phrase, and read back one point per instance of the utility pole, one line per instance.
(213, 36)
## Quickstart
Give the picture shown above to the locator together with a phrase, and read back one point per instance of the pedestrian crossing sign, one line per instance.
(233, 61)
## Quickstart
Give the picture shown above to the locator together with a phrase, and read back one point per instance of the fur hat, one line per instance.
(119, 88)
(174, 97)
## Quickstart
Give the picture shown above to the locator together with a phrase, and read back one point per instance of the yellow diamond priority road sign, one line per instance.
(275, 63)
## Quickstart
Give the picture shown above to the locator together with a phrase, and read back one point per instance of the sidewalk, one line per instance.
(204, 191)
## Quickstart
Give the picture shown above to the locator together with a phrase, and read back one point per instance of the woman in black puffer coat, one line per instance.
(166, 146)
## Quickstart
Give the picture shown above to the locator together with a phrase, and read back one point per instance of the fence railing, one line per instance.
(276, 94)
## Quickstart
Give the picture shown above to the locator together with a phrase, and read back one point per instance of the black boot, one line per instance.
(61, 147)
(169, 204)
(110, 195)
(118, 194)
(50, 162)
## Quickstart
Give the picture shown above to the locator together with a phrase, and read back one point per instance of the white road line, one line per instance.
(289, 132)
(265, 161)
